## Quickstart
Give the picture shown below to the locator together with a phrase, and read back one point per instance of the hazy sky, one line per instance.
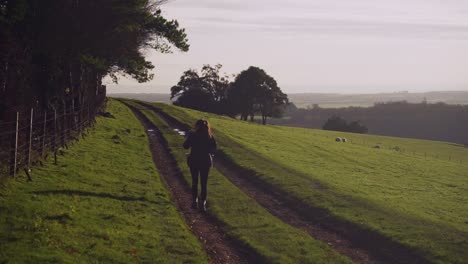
(323, 45)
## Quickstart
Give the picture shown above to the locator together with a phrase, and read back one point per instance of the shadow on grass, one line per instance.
(383, 248)
(92, 194)
(63, 218)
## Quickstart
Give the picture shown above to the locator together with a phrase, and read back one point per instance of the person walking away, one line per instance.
(200, 159)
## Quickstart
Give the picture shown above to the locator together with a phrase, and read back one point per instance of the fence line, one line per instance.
(27, 137)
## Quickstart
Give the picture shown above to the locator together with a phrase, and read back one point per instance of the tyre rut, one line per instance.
(360, 245)
(220, 247)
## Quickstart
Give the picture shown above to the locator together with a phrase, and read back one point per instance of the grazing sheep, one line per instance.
(344, 140)
(377, 147)
(338, 139)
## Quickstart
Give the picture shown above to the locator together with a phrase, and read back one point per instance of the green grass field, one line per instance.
(102, 203)
(418, 201)
(245, 219)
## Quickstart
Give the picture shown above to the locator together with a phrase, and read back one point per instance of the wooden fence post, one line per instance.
(30, 137)
(72, 119)
(15, 158)
(73, 114)
(55, 137)
(44, 131)
(64, 128)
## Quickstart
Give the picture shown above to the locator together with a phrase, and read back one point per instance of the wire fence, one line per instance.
(28, 137)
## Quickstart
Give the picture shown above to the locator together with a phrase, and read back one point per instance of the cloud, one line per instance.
(331, 27)
(376, 18)
(208, 5)
(358, 43)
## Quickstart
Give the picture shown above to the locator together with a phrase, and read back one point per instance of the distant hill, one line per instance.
(149, 97)
(408, 190)
(325, 100)
(433, 121)
(331, 100)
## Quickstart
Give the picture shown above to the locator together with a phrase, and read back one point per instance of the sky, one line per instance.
(336, 46)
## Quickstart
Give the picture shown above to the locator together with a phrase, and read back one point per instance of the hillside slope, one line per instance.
(240, 217)
(103, 203)
(411, 191)
(428, 121)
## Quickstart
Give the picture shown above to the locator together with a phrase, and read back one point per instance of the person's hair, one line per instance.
(203, 127)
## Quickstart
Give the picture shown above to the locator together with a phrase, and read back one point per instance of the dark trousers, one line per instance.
(203, 173)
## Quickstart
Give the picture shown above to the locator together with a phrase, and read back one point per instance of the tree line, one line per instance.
(56, 53)
(252, 92)
(433, 121)
(337, 123)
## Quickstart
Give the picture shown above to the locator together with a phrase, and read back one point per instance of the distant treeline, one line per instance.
(147, 97)
(437, 121)
(308, 100)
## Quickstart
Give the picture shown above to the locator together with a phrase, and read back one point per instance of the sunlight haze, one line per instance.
(362, 46)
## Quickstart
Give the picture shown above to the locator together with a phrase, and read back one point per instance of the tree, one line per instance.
(254, 91)
(59, 50)
(357, 127)
(205, 92)
(337, 123)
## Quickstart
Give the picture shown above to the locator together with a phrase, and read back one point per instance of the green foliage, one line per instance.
(46, 46)
(254, 91)
(93, 62)
(12, 11)
(337, 123)
(418, 200)
(205, 92)
(103, 203)
(168, 30)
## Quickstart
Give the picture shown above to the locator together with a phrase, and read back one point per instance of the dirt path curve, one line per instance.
(219, 247)
(360, 245)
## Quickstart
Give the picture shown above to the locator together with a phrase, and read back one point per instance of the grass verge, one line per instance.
(419, 202)
(246, 220)
(103, 203)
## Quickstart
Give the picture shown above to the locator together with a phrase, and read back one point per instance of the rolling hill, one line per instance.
(276, 195)
(410, 191)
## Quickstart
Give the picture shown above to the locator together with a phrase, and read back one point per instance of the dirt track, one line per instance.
(360, 245)
(218, 246)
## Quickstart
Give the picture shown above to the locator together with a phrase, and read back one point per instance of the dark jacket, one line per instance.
(202, 149)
